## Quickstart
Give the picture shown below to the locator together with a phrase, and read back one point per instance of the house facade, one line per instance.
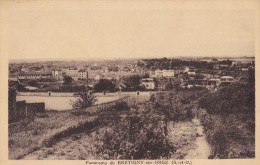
(148, 83)
(82, 74)
(163, 73)
(34, 75)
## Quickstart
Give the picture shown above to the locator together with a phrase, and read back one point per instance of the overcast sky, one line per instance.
(130, 33)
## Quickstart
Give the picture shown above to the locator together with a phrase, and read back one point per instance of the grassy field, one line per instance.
(31, 134)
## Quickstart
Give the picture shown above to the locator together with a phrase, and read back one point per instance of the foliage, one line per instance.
(133, 82)
(138, 136)
(234, 98)
(229, 120)
(105, 85)
(67, 80)
(121, 105)
(177, 105)
(165, 63)
(85, 99)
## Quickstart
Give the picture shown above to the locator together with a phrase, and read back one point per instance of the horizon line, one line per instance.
(123, 58)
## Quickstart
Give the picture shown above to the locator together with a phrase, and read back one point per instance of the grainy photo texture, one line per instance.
(131, 84)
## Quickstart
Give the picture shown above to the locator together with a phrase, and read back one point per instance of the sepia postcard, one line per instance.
(92, 82)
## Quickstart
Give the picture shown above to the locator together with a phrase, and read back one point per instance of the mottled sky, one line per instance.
(129, 33)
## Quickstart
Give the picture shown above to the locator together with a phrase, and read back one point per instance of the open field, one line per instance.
(63, 101)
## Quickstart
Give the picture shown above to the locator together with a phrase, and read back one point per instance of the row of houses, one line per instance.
(58, 74)
(149, 83)
(30, 75)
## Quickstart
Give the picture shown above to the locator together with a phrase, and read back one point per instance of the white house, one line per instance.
(227, 79)
(148, 83)
(164, 73)
(168, 73)
(158, 73)
(82, 74)
(191, 73)
(186, 69)
(98, 76)
(56, 73)
(73, 72)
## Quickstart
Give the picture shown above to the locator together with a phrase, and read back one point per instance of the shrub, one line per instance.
(137, 136)
(85, 100)
(120, 106)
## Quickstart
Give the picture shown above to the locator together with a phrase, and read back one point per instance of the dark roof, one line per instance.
(81, 70)
(37, 73)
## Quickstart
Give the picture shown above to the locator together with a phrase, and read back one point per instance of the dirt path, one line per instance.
(183, 136)
(202, 149)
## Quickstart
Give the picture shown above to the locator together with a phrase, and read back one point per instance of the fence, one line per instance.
(109, 105)
(129, 99)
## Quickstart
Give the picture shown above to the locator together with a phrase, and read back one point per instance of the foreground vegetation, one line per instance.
(229, 121)
(43, 129)
(228, 118)
(159, 128)
(145, 131)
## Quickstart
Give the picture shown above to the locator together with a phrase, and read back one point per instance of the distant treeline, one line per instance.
(165, 63)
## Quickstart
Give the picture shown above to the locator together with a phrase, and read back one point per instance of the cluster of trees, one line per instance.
(177, 104)
(165, 63)
(231, 99)
(106, 85)
(131, 83)
(229, 120)
(67, 80)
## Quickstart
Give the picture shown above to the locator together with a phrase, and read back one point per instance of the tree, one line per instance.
(133, 82)
(105, 85)
(67, 80)
(85, 100)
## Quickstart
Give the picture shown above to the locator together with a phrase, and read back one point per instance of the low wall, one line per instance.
(24, 109)
(70, 94)
(60, 94)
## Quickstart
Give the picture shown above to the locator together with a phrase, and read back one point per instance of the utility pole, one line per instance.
(87, 81)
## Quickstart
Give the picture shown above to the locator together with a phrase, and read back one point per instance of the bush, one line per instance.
(85, 100)
(121, 105)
